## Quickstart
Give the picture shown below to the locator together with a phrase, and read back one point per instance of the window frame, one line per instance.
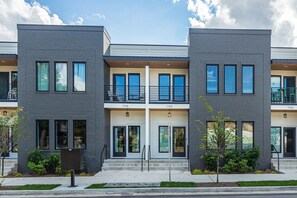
(236, 133)
(38, 135)
(281, 136)
(218, 78)
(252, 66)
(56, 148)
(36, 80)
(85, 148)
(235, 78)
(169, 86)
(131, 74)
(173, 87)
(55, 76)
(139, 140)
(253, 145)
(73, 77)
(160, 141)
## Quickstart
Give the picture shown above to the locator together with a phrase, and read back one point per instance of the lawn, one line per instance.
(268, 183)
(37, 187)
(178, 184)
(95, 186)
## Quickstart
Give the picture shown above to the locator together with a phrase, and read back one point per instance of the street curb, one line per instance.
(199, 190)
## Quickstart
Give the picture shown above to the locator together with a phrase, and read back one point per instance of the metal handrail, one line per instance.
(172, 94)
(149, 157)
(101, 155)
(142, 156)
(273, 150)
(188, 157)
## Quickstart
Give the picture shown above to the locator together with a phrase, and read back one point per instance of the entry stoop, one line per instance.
(10, 166)
(286, 164)
(135, 165)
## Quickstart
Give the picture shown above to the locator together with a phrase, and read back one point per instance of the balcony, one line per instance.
(283, 95)
(10, 96)
(169, 94)
(124, 94)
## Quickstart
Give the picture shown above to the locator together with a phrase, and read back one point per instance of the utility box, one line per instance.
(72, 159)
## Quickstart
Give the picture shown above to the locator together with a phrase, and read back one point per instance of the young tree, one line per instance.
(216, 137)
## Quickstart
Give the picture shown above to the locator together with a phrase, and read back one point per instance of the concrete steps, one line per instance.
(285, 164)
(10, 166)
(135, 165)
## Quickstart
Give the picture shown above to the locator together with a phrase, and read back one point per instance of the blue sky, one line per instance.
(129, 21)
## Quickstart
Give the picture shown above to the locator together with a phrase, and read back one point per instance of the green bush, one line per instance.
(196, 172)
(251, 155)
(38, 168)
(36, 156)
(52, 162)
(210, 161)
(232, 154)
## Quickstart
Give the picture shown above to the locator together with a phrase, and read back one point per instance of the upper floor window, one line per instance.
(230, 79)
(134, 86)
(212, 79)
(247, 79)
(164, 86)
(79, 77)
(60, 76)
(42, 76)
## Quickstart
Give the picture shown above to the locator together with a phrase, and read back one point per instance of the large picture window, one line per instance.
(247, 135)
(210, 143)
(230, 130)
(79, 77)
(276, 138)
(60, 76)
(79, 133)
(212, 79)
(230, 79)
(61, 128)
(248, 79)
(134, 139)
(42, 76)
(163, 139)
(42, 129)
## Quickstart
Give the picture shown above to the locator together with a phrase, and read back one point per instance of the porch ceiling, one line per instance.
(8, 61)
(284, 64)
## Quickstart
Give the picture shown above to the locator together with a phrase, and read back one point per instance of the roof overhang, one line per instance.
(284, 64)
(8, 60)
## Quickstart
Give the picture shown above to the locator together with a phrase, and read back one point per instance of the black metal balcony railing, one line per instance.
(129, 93)
(283, 95)
(10, 96)
(169, 94)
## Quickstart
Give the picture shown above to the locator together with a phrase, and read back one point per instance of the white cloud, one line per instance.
(78, 21)
(18, 11)
(278, 15)
(100, 16)
(175, 1)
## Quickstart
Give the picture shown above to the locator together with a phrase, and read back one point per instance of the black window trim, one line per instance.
(56, 133)
(55, 72)
(85, 134)
(129, 74)
(159, 139)
(253, 146)
(218, 79)
(173, 87)
(281, 137)
(79, 62)
(236, 131)
(37, 135)
(169, 94)
(36, 81)
(246, 65)
(138, 140)
(232, 65)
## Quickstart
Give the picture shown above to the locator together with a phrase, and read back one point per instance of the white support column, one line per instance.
(147, 110)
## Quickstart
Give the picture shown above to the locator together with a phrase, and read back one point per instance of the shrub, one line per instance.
(208, 172)
(210, 161)
(52, 162)
(196, 172)
(251, 155)
(36, 156)
(38, 168)
(232, 154)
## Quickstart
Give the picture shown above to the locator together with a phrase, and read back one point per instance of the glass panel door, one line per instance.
(179, 87)
(134, 86)
(289, 142)
(164, 86)
(179, 141)
(163, 139)
(119, 141)
(134, 139)
(275, 88)
(119, 84)
(289, 92)
(4, 83)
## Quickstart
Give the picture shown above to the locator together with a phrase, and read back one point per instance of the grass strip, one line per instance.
(95, 186)
(268, 183)
(37, 187)
(178, 184)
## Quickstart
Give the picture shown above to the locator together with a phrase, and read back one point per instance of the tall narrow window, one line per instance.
(230, 131)
(14, 81)
(79, 77)
(248, 79)
(60, 76)
(61, 134)
(134, 139)
(276, 138)
(79, 133)
(163, 139)
(164, 86)
(42, 129)
(247, 135)
(212, 78)
(42, 76)
(179, 82)
(211, 127)
(134, 86)
(230, 79)
(276, 89)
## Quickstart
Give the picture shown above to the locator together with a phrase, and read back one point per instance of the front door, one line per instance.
(289, 142)
(119, 86)
(289, 89)
(179, 141)
(119, 141)
(4, 83)
(179, 88)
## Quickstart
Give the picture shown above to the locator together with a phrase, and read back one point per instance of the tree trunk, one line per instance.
(218, 167)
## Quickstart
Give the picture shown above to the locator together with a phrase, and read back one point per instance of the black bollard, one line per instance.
(72, 178)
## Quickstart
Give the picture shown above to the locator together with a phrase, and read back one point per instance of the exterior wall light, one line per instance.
(169, 114)
(4, 113)
(285, 115)
(127, 113)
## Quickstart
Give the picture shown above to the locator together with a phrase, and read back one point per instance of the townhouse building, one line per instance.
(131, 102)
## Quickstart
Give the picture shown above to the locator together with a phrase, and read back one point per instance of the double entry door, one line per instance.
(289, 142)
(126, 141)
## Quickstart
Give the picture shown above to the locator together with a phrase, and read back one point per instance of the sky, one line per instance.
(155, 21)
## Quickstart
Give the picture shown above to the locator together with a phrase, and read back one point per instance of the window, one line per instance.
(179, 87)
(163, 139)
(60, 76)
(230, 79)
(134, 86)
(79, 133)
(14, 139)
(164, 86)
(79, 77)
(276, 89)
(134, 139)
(42, 76)
(247, 135)
(61, 134)
(210, 143)
(230, 131)
(212, 79)
(247, 79)
(42, 129)
(276, 138)
(14, 80)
